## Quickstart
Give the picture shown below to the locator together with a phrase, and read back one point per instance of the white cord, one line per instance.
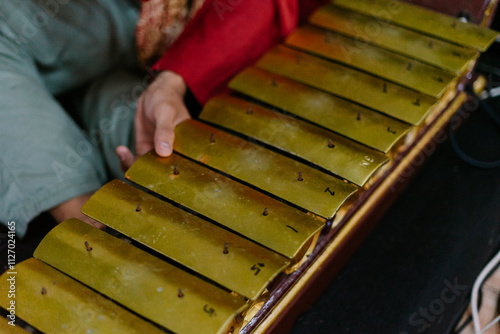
(488, 326)
(494, 92)
(475, 292)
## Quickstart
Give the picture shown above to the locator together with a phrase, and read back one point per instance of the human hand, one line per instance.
(159, 109)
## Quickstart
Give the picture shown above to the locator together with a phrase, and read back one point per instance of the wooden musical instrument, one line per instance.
(269, 191)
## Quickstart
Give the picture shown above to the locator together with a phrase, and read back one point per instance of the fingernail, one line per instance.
(164, 146)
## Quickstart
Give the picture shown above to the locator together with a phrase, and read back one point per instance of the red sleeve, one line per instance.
(227, 36)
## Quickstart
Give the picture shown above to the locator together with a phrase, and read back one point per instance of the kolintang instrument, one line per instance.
(268, 192)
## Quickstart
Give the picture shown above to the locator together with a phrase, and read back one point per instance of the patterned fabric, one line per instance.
(159, 25)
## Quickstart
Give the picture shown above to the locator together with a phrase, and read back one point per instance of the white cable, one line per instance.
(488, 326)
(494, 92)
(475, 292)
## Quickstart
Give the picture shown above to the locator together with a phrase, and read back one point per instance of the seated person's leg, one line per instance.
(45, 159)
(107, 112)
(72, 208)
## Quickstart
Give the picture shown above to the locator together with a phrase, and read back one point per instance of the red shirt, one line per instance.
(228, 35)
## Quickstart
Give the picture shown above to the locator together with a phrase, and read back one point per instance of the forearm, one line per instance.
(223, 39)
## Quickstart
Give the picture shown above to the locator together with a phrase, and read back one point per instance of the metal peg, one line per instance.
(87, 246)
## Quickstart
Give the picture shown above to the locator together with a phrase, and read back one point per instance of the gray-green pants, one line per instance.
(49, 47)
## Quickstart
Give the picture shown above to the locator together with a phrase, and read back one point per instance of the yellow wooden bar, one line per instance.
(228, 202)
(349, 160)
(156, 290)
(436, 52)
(424, 20)
(318, 192)
(372, 59)
(54, 303)
(183, 237)
(371, 128)
(391, 99)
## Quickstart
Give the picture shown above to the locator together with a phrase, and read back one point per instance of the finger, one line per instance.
(143, 130)
(164, 134)
(143, 138)
(95, 223)
(126, 157)
(164, 139)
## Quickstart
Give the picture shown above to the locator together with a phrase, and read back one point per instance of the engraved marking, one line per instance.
(330, 143)
(330, 191)
(416, 103)
(385, 88)
(266, 212)
(176, 171)
(249, 110)
(212, 139)
(292, 229)
(180, 294)
(273, 83)
(225, 251)
(391, 131)
(44, 291)
(300, 177)
(138, 208)
(409, 66)
(256, 268)
(431, 44)
(367, 162)
(358, 118)
(208, 310)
